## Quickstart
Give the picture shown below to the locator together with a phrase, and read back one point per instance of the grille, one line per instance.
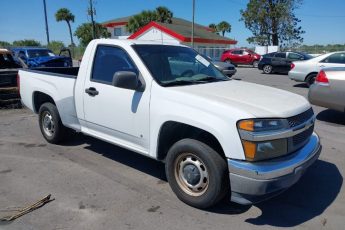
(231, 68)
(300, 118)
(302, 137)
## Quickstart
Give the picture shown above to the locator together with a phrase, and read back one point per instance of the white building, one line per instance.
(179, 31)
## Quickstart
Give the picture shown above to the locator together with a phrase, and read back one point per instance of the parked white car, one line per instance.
(215, 135)
(306, 71)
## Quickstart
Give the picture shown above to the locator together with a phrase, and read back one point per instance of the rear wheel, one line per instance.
(50, 123)
(267, 69)
(255, 64)
(196, 173)
(310, 79)
(228, 61)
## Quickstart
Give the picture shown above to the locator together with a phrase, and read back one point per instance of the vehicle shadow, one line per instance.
(331, 116)
(274, 73)
(126, 157)
(306, 200)
(301, 85)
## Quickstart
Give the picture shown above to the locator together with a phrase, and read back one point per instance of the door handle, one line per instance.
(91, 91)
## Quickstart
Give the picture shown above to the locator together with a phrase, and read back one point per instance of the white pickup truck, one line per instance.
(216, 136)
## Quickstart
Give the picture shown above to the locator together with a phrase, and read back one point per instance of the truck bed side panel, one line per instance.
(59, 87)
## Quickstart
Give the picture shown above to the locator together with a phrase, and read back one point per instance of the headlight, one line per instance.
(260, 125)
(259, 150)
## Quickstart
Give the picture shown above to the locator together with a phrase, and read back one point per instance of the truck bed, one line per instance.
(55, 82)
(71, 72)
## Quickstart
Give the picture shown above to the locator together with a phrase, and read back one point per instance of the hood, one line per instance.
(252, 99)
(38, 61)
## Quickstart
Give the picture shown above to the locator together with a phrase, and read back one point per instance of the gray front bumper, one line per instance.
(252, 182)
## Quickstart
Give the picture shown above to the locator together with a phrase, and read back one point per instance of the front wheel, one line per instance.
(50, 123)
(196, 173)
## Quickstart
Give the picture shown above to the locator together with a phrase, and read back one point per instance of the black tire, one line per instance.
(255, 64)
(213, 188)
(58, 132)
(267, 69)
(310, 79)
(228, 61)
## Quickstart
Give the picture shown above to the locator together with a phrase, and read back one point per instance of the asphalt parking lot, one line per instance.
(100, 186)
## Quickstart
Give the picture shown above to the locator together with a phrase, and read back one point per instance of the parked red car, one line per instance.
(241, 56)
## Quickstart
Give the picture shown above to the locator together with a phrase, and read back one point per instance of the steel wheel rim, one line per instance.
(184, 175)
(255, 64)
(267, 69)
(48, 124)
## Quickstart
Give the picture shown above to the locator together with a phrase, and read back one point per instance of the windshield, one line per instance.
(176, 65)
(40, 53)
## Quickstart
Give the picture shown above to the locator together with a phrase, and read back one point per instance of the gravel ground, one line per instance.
(100, 186)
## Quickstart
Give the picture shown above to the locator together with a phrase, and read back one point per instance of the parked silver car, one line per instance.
(329, 89)
(227, 68)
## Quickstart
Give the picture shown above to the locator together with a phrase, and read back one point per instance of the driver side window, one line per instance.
(109, 60)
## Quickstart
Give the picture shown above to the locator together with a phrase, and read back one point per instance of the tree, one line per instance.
(26, 42)
(213, 27)
(160, 14)
(64, 14)
(84, 32)
(4, 44)
(164, 14)
(56, 46)
(273, 22)
(223, 27)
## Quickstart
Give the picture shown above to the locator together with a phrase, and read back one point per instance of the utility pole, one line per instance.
(193, 24)
(46, 20)
(91, 12)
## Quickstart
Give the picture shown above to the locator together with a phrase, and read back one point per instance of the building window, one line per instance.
(117, 32)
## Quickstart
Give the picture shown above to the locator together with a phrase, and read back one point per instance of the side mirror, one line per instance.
(128, 80)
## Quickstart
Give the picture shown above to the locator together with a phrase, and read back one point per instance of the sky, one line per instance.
(323, 21)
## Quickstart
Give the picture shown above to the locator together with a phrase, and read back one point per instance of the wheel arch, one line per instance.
(308, 75)
(39, 98)
(172, 131)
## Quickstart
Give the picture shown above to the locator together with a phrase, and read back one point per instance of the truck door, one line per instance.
(115, 114)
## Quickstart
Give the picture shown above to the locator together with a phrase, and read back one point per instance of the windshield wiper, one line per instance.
(211, 79)
(180, 82)
(190, 82)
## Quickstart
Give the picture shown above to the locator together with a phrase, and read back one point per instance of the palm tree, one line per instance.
(223, 27)
(164, 15)
(213, 27)
(64, 14)
(160, 14)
